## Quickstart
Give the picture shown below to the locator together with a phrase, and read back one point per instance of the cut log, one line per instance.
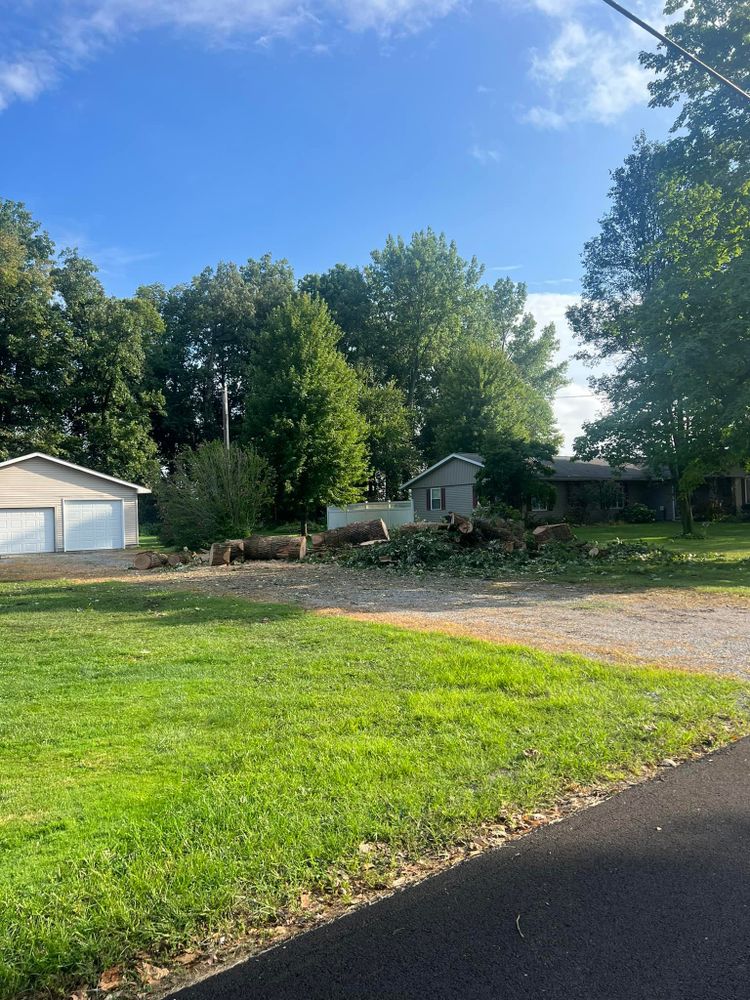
(149, 560)
(237, 549)
(275, 547)
(356, 533)
(417, 526)
(220, 554)
(178, 558)
(495, 531)
(553, 533)
(457, 522)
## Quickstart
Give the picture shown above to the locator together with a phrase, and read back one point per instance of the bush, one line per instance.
(213, 494)
(638, 513)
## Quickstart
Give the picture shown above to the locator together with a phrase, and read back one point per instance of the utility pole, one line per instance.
(678, 48)
(225, 412)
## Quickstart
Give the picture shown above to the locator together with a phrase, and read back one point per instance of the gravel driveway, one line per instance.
(670, 627)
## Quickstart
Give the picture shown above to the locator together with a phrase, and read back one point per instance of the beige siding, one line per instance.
(39, 483)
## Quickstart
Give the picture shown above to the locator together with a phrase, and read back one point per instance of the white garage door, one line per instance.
(31, 530)
(93, 524)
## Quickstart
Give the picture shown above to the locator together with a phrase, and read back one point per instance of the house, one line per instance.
(450, 485)
(49, 505)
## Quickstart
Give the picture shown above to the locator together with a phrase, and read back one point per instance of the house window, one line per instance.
(618, 498)
(537, 506)
(436, 498)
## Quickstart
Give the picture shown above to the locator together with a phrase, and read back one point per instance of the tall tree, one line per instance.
(30, 351)
(302, 413)
(712, 127)
(105, 405)
(424, 301)
(482, 395)
(512, 329)
(394, 456)
(345, 291)
(673, 320)
(212, 327)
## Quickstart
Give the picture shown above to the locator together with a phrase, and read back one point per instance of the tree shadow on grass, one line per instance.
(148, 605)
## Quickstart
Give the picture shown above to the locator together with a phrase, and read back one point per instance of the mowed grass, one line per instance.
(721, 560)
(173, 764)
(730, 541)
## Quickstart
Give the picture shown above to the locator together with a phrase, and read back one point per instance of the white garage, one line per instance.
(50, 505)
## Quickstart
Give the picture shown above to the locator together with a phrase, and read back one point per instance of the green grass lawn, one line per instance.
(730, 541)
(172, 764)
(722, 563)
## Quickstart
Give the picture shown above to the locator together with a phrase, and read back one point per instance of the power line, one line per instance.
(678, 48)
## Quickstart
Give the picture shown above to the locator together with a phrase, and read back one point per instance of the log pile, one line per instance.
(481, 531)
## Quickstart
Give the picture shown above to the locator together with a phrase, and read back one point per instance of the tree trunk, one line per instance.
(220, 554)
(686, 513)
(275, 547)
(149, 560)
(353, 534)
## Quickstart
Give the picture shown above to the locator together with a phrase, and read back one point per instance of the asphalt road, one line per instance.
(645, 897)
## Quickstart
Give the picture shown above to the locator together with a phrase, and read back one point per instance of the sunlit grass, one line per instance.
(173, 763)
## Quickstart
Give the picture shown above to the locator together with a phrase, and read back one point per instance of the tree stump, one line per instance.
(220, 554)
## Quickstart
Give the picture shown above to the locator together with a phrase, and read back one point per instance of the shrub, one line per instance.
(638, 513)
(213, 494)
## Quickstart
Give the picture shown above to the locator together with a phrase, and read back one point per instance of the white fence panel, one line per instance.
(393, 512)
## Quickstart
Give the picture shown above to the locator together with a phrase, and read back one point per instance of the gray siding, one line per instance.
(39, 483)
(457, 479)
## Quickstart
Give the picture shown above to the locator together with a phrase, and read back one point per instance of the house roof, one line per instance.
(71, 465)
(565, 469)
(464, 456)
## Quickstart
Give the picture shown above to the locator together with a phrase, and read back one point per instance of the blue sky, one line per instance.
(160, 136)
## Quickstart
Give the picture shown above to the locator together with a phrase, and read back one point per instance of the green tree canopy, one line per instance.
(481, 396)
(515, 472)
(673, 321)
(302, 410)
(424, 303)
(212, 328)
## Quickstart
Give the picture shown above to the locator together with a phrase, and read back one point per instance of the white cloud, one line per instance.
(575, 403)
(590, 70)
(77, 31)
(484, 155)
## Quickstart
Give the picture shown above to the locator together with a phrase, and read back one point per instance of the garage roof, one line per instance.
(72, 465)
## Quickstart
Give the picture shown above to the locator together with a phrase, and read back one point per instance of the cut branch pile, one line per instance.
(479, 532)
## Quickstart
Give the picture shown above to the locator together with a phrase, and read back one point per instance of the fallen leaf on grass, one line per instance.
(151, 973)
(81, 994)
(187, 957)
(111, 979)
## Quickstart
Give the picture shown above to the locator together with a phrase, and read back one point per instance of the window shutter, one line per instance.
(473, 496)
(442, 498)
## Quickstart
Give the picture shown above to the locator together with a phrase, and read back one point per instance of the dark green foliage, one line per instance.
(482, 398)
(637, 513)
(302, 413)
(515, 472)
(213, 494)
(394, 457)
(213, 325)
(72, 359)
